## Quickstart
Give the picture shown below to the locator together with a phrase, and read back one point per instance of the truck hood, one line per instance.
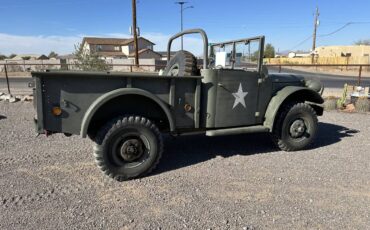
(285, 78)
(291, 79)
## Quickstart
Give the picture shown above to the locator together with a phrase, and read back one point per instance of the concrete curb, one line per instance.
(12, 99)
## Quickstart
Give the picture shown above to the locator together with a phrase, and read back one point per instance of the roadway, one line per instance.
(18, 85)
(329, 80)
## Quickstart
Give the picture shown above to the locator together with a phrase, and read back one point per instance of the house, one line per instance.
(283, 54)
(146, 54)
(66, 56)
(30, 57)
(343, 51)
(110, 48)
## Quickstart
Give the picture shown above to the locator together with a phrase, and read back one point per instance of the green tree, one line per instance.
(89, 61)
(269, 51)
(52, 54)
(11, 56)
(2, 57)
(255, 56)
(363, 42)
(26, 58)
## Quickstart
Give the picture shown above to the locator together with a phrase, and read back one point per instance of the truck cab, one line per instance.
(236, 71)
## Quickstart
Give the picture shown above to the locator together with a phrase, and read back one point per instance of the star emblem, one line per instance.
(239, 96)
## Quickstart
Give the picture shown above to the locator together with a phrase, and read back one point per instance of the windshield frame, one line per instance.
(260, 39)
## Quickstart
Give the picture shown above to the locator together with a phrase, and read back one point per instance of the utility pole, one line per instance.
(135, 33)
(315, 25)
(181, 3)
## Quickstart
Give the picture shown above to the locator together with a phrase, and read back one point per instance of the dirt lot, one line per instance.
(235, 182)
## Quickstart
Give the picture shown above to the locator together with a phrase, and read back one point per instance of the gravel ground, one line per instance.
(234, 182)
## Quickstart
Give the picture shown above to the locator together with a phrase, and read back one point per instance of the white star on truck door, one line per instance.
(239, 96)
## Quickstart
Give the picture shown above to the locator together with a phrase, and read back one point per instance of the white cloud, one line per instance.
(65, 44)
(37, 44)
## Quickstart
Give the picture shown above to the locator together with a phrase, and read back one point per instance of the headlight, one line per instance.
(314, 85)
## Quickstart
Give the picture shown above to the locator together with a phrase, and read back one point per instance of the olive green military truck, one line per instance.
(126, 114)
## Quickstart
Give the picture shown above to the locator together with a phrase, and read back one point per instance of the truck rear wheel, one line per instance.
(295, 127)
(182, 64)
(128, 147)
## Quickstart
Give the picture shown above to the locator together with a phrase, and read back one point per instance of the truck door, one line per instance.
(237, 88)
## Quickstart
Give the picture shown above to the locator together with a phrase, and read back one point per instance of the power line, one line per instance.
(342, 27)
(337, 30)
(302, 42)
(342, 22)
(329, 34)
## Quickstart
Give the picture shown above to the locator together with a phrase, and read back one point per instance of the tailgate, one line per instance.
(37, 104)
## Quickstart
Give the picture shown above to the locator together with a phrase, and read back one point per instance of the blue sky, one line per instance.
(38, 26)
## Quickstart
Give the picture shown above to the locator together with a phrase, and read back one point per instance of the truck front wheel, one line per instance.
(295, 127)
(128, 147)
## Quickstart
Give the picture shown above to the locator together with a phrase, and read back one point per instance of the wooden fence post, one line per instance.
(359, 76)
(7, 78)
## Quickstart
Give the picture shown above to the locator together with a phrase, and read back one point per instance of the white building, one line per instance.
(298, 55)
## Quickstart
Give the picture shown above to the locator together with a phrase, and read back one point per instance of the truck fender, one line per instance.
(120, 92)
(282, 96)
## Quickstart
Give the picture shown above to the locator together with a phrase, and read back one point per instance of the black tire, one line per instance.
(128, 147)
(295, 127)
(182, 64)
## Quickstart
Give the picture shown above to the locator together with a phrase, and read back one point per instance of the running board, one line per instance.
(233, 131)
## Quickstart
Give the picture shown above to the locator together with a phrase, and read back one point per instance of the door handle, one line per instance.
(222, 86)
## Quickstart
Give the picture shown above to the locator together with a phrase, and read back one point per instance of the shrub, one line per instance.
(362, 104)
(330, 103)
(89, 61)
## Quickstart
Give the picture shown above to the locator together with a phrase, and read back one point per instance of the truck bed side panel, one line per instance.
(74, 93)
